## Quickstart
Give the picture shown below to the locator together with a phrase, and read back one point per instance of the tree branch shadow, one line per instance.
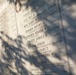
(15, 53)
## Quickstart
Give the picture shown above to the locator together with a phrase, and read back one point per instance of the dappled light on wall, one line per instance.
(38, 37)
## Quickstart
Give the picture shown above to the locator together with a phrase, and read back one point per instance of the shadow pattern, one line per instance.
(14, 55)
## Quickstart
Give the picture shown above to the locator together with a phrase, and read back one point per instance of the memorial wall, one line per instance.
(38, 40)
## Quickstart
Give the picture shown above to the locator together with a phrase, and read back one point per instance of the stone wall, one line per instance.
(38, 40)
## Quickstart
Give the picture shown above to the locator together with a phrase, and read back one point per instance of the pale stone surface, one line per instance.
(39, 39)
